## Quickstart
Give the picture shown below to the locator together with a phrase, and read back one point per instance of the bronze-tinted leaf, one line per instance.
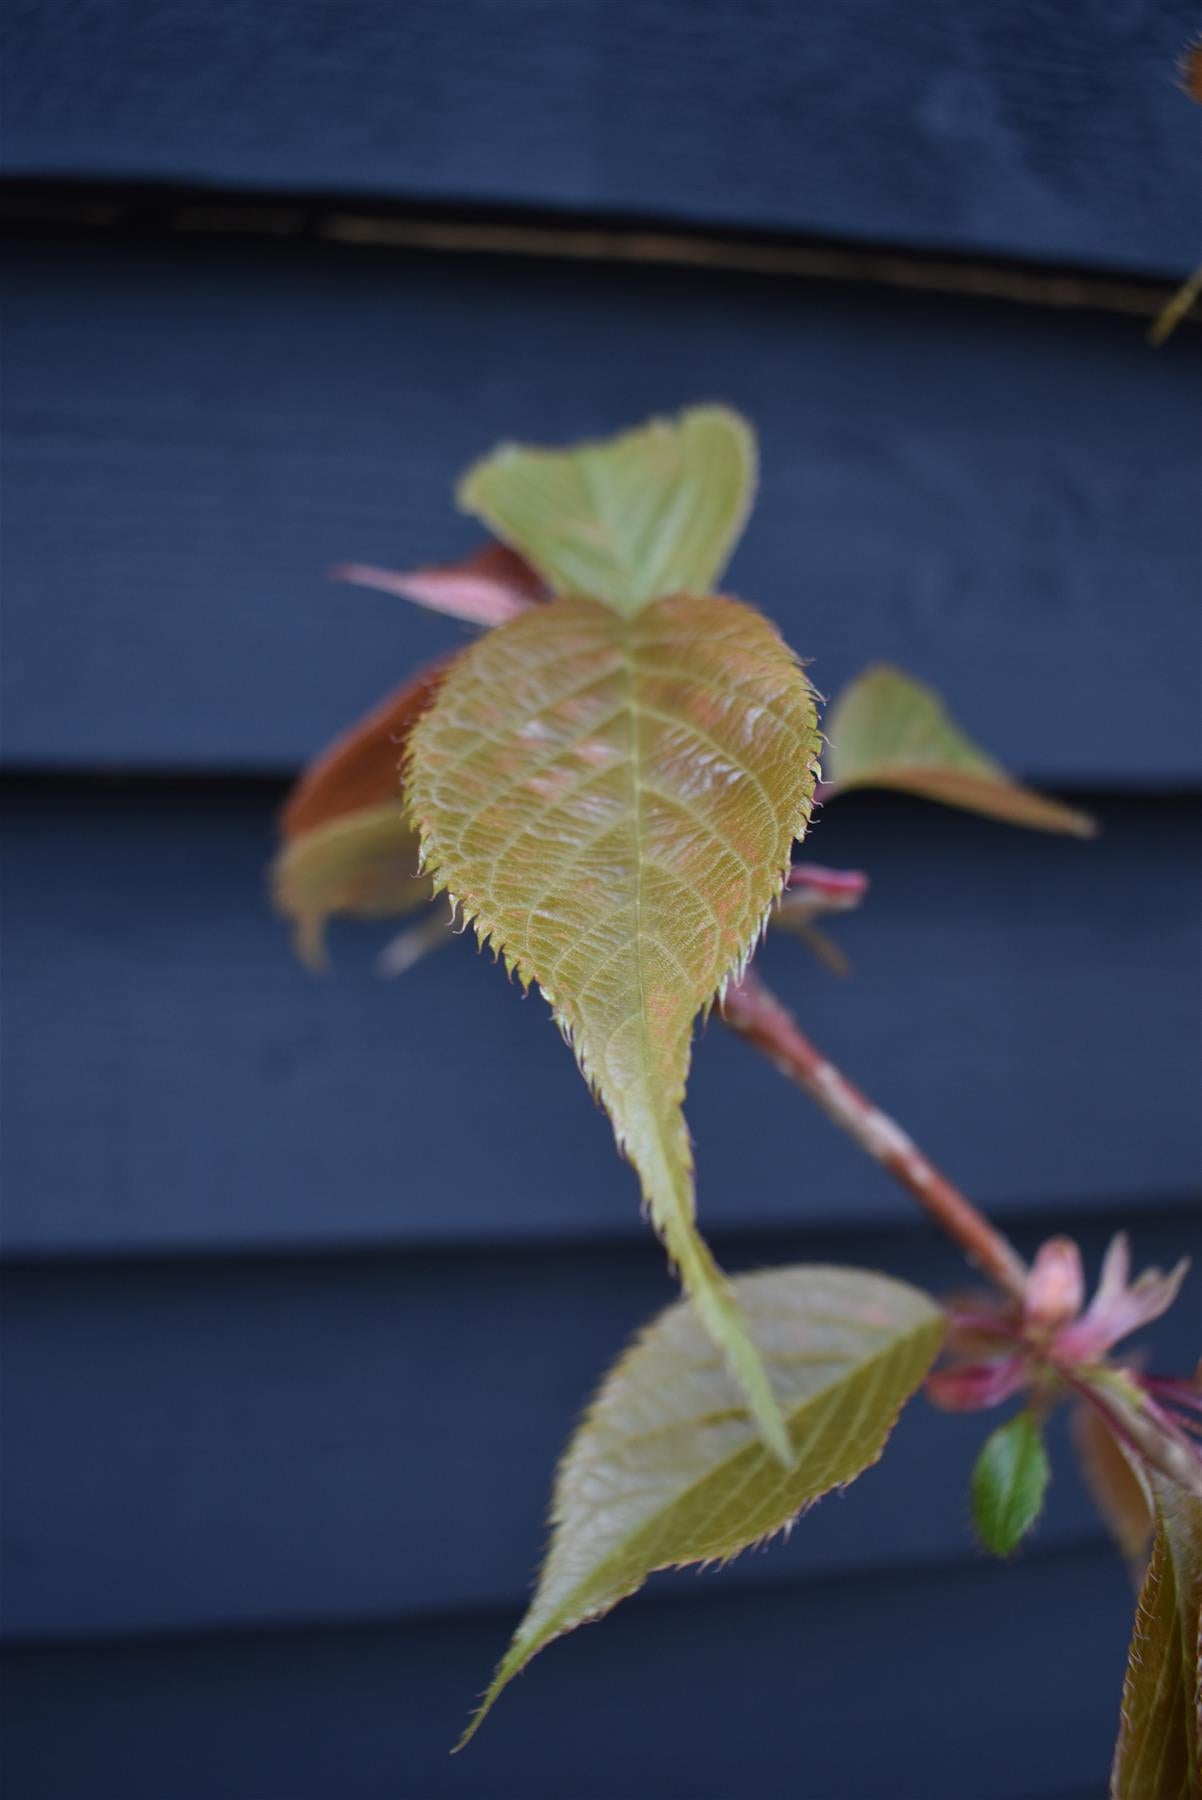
(1159, 1750)
(888, 731)
(667, 1468)
(348, 844)
(1118, 1493)
(362, 767)
(612, 801)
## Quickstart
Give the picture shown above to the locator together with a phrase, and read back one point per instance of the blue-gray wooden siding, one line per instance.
(305, 1280)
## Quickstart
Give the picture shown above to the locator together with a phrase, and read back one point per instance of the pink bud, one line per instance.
(839, 886)
(1056, 1284)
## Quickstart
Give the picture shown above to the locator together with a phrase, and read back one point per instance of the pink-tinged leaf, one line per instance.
(971, 1387)
(487, 588)
(1115, 1273)
(1178, 1391)
(810, 893)
(1114, 1482)
(1120, 1306)
(348, 846)
(1056, 1284)
(982, 1325)
(1155, 1437)
(1159, 1750)
(362, 766)
(839, 889)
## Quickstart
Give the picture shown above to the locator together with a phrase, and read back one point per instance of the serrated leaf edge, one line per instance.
(924, 1339)
(708, 1286)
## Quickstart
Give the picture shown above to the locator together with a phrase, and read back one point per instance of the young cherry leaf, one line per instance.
(348, 844)
(612, 801)
(656, 511)
(362, 767)
(1116, 1488)
(1009, 1483)
(486, 588)
(1159, 1752)
(364, 864)
(887, 730)
(667, 1469)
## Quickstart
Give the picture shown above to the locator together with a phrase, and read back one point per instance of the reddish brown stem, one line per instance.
(756, 1014)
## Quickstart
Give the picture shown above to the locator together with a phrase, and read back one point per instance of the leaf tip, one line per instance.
(511, 1664)
(310, 944)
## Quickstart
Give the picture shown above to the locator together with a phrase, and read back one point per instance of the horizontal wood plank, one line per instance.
(1043, 133)
(999, 1681)
(1026, 1005)
(199, 1445)
(998, 498)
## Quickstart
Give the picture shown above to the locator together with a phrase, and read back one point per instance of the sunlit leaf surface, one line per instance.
(886, 730)
(667, 1467)
(1159, 1752)
(613, 801)
(656, 511)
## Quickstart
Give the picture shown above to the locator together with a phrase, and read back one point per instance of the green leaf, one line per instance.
(363, 864)
(653, 512)
(1158, 1752)
(666, 1468)
(887, 730)
(1009, 1483)
(613, 802)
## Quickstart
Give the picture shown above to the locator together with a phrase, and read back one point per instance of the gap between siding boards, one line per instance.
(562, 240)
(894, 1234)
(1093, 1548)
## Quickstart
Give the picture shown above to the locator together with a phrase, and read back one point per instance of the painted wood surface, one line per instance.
(304, 1440)
(282, 1256)
(723, 1693)
(999, 498)
(1042, 131)
(220, 1096)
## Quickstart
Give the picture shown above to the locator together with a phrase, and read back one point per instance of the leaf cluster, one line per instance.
(608, 785)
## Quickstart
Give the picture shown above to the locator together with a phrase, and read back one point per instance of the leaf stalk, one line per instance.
(753, 1011)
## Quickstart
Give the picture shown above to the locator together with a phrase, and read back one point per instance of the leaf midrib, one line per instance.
(907, 1339)
(635, 763)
